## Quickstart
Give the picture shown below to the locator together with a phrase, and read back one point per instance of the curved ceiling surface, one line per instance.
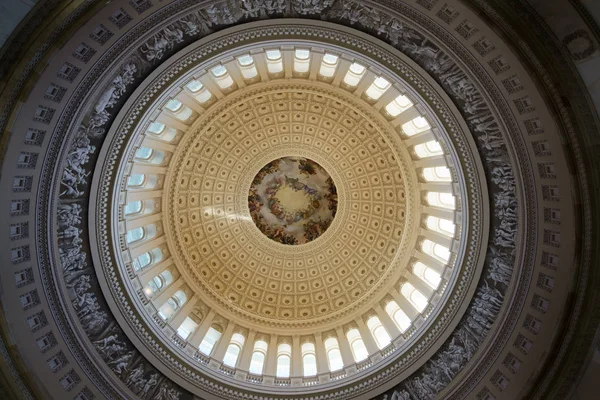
(299, 199)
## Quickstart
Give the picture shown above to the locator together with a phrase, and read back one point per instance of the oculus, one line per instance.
(292, 200)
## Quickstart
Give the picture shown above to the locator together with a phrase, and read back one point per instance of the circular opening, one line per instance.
(292, 200)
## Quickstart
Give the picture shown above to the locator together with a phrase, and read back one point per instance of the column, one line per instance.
(168, 292)
(221, 347)
(388, 323)
(344, 348)
(148, 169)
(367, 337)
(147, 274)
(288, 62)
(271, 358)
(197, 336)
(364, 83)
(235, 73)
(322, 366)
(341, 71)
(296, 357)
(133, 195)
(142, 221)
(244, 362)
(316, 59)
(158, 144)
(183, 312)
(405, 116)
(410, 311)
(146, 246)
(420, 285)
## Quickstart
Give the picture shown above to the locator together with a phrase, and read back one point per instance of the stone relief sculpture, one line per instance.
(108, 339)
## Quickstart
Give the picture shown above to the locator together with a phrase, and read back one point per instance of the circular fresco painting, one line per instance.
(292, 200)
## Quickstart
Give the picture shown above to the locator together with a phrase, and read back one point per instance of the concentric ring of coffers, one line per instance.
(250, 274)
(211, 334)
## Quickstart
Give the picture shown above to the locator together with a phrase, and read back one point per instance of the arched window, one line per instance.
(440, 225)
(146, 154)
(417, 125)
(143, 153)
(429, 149)
(234, 349)
(199, 91)
(359, 351)
(186, 328)
(309, 359)
(141, 181)
(382, 338)
(210, 339)
(222, 77)
(379, 86)
(173, 304)
(301, 60)
(428, 275)
(415, 297)
(334, 355)
(156, 128)
(274, 61)
(161, 131)
(437, 174)
(398, 105)
(174, 105)
(328, 65)
(160, 282)
(180, 111)
(142, 261)
(257, 361)
(141, 233)
(135, 235)
(400, 318)
(435, 250)
(247, 67)
(149, 257)
(133, 207)
(136, 180)
(443, 200)
(284, 360)
(354, 74)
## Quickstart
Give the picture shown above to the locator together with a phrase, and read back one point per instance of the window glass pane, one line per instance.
(283, 366)
(156, 127)
(334, 356)
(302, 54)
(143, 153)
(330, 58)
(173, 105)
(194, 86)
(310, 365)
(256, 363)
(415, 126)
(133, 207)
(398, 105)
(209, 341)
(231, 355)
(180, 296)
(219, 70)
(357, 69)
(245, 60)
(400, 318)
(135, 235)
(359, 351)
(136, 180)
(381, 337)
(186, 328)
(273, 54)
